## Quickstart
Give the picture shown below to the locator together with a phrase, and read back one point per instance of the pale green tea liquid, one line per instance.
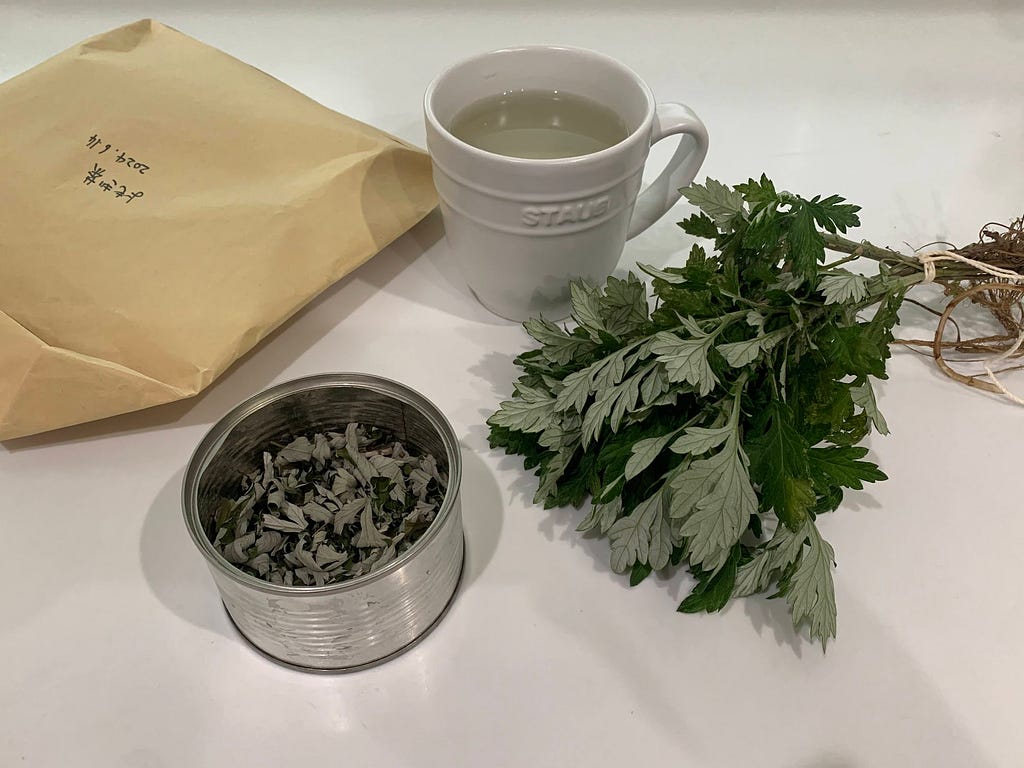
(539, 125)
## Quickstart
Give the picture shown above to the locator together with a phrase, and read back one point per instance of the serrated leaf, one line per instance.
(531, 410)
(863, 395)
(586, 307)
(575, 392)
(698, 440)
(557, 346)
(755, 575)
(806, 245)
(552, 472)
(563, 434)
(712, 593)
(811, 594)
(843, 287)
(602, 516)
(716, 200)
(783, 549)
(714, 499)
(595, 415)
(630, 536)
(673, 278)
(833, 213)
(627, 394)
(624, 305)
(644, 452)
(780, 465)
(841, 465)
(654, 384)
(740, 354)
(609, 371)
(758, 191)
(661, 541)
(699, 225)
(686, 360)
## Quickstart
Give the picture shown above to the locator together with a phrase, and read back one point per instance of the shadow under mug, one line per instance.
(522, 229)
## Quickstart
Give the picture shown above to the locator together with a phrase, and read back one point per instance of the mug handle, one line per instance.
(654, 202)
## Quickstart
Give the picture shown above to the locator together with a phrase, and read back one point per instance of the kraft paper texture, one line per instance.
(163, 207)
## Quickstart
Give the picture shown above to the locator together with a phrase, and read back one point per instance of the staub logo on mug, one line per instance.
(567, 213)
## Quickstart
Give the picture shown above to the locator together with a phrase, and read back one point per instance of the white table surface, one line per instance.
(117, 652)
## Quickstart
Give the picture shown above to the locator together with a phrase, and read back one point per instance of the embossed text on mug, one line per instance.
(566, 213)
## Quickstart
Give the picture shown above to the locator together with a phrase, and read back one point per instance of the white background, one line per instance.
(116, 651)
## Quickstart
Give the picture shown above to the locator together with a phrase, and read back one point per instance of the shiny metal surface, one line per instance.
(338, 627)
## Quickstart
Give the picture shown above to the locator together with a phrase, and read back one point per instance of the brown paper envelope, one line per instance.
(254, 198)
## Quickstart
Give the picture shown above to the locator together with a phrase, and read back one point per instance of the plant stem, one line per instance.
(839, 262)
(864, 248)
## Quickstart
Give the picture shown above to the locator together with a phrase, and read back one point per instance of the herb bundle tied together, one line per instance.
(716, 429)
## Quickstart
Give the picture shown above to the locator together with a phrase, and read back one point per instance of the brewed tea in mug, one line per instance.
(539, 125)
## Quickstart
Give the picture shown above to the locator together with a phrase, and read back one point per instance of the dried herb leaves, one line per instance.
(328, 507)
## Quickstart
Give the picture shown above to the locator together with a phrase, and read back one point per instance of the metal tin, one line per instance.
(357, 623)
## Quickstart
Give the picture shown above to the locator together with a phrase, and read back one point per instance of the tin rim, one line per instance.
(216, 435)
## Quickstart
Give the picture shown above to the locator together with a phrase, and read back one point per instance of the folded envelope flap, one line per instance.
(35, 380)
(164, 207)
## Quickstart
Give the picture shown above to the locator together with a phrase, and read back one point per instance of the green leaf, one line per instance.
(714, 499)
(686, 360)
(852, 350)
(630, 536)
(586, 307)
(758, 191)
(779, 464)
(756, 575)
(740, 354)
(532, 410)
(558, 346)
(715, 199)
(609, 371)
(624, 307)
(655, 383)
(864, 396)
(834, 214)
(551, 472)
(574, 392)
(699, 225)
(712, 592)
(644, 452)
(673, 278)
(595, 415)
(627, 394)
(807, 247)
(602, 516)
(639, 572)
(698, 440)
(661, 541)
(842, 465)
(811, 594)
(842, 288)
(562, 434)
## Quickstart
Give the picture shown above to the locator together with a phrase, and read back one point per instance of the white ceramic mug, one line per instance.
(521, 229)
